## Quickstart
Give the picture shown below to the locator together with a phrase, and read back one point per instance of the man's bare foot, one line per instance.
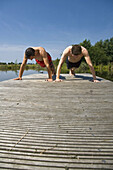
(18, 78)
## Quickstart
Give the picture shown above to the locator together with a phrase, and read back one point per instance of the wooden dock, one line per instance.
(56, 125)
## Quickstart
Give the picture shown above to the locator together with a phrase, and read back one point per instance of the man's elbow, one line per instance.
(23, 64)
(90, 65)
(48, 66)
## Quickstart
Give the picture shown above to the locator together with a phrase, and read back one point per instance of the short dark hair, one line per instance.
(76, 49)
(29, 52)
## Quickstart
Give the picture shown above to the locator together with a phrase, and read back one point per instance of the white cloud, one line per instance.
(8, 47)
(11, 53)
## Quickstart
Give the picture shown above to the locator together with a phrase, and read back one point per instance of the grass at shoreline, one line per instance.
(105, 71)
(83, 67)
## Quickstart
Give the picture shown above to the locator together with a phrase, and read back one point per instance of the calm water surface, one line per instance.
(6, 75)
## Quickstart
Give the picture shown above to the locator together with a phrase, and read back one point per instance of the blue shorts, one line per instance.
(71, 65)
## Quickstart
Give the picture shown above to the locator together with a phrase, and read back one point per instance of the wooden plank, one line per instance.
(51, 125)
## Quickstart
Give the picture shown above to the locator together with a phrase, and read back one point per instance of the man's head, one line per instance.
(29, 52)
(76, 50)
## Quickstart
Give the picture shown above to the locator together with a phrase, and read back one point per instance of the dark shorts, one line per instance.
(71, 65)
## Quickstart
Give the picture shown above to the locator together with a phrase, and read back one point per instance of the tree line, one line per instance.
(101, 52)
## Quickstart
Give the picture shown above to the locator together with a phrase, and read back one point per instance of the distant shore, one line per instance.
(83, 67)
(105, 71)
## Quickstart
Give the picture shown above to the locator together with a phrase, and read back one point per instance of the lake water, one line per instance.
(6, 75)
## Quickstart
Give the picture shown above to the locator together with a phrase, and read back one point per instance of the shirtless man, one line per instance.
(74, 55)
(42, 58)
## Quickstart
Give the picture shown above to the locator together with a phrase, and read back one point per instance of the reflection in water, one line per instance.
(6, 75)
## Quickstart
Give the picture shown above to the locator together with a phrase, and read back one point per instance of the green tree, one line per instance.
(86, 43)
(99, 44)
(111, 49)
(98, 55)
(55, 62)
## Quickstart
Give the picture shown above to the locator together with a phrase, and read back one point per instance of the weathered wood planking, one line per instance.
(51, 125)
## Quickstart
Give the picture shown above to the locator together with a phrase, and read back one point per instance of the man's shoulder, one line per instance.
(38, 48)
(67, 49)
(84, 50)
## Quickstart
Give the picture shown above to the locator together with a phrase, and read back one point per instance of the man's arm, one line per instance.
(62, 60)
(22, 68)
(88, 60)
(46, 62)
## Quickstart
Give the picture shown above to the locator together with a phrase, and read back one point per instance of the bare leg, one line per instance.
(72, 72)
(53, 68)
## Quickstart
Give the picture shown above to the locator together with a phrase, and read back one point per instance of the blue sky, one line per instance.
(52, 24)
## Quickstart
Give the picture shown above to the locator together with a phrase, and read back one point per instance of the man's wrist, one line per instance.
(57, 76)
(94, 78)
(50, 77)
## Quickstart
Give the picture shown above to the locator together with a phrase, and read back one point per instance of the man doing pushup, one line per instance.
(73, 56)
(42, 57)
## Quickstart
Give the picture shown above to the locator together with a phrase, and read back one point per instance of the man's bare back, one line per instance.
(42, 58)
(39, 53)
